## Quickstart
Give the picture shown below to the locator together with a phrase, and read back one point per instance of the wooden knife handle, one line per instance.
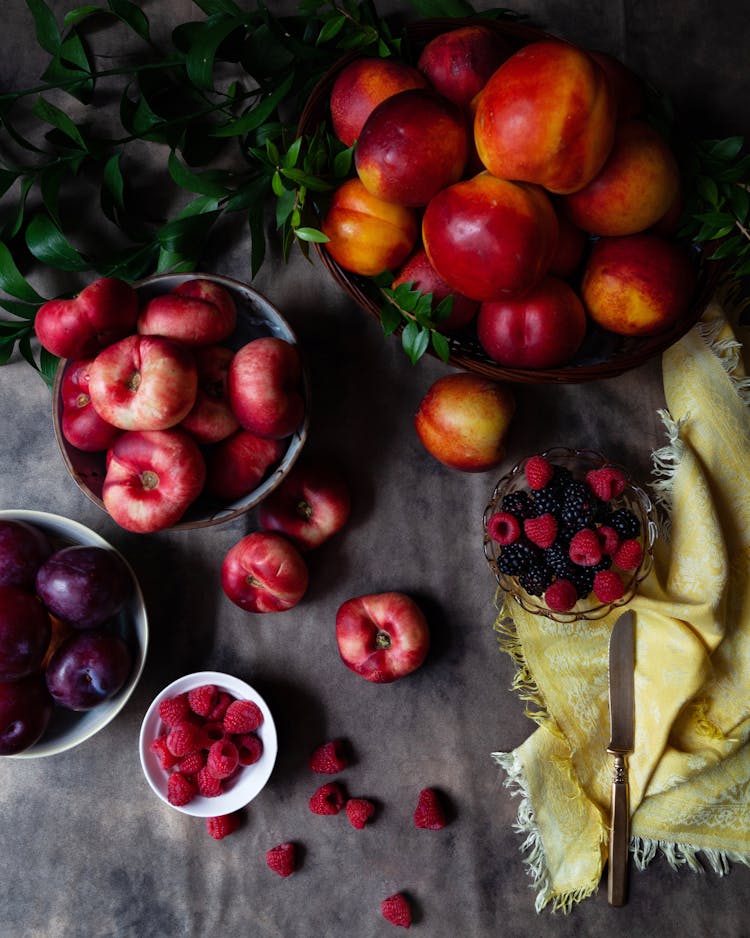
(619, 835)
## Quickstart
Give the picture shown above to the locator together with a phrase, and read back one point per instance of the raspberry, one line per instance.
(538, 472)
(212, 731)
(180, 789)
(220, 708)
(609, 539)
(608, 586)
(242, 716)
(223, 825)
(222, 759)
(359, 811)
(208, 785)
(395, 909)
(503, 527)
(585, 549)
(184, 738)
(282, 859)
(160, 749)
(606, 483)
(561, 596)
(174, 710)
(328, 799)
(628, 555)
(249, 748)
(429, 814)
(541, 531)
(202, 700)
(192, 763)
(329, 758)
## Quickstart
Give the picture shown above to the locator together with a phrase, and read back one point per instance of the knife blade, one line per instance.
(621, 743)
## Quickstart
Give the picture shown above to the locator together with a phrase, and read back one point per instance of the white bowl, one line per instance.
(248, 782)
(256, 317)
(69, 728)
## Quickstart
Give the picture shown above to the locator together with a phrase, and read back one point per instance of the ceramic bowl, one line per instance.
(634, 497)
(249, 780)
(256, 317)
(68, 728)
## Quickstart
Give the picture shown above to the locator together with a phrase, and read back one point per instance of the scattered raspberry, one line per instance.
(208, 785)
(242, 716)
(174, 710)
(608, 586)
(222, 705)
(203, 699)
(396, 910)
(249, 748)
(282, 859)
(606, 483)
(561, 596)
(503, 528)
(192, 763)
(429, 813)
(359, 811)
(184, 738)
(224, 825)
(159, 747)
(585, 549)
(609, 539)
(222, 759)
(629, 554)
(541, 531)
(538, 472)
(328, 799)
(180, 789)
(329, 759)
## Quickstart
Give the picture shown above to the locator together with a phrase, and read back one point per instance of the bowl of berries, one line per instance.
(569, 534)
(208, 744)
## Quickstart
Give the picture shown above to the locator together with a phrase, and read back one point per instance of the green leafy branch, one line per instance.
(408, 309)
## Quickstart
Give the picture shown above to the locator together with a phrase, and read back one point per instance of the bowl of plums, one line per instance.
(569, 534)
(73, 633)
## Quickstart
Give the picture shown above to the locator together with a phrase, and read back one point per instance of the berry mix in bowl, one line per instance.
(73, 633)
(208, 744)
(180, 401)
(568, 534)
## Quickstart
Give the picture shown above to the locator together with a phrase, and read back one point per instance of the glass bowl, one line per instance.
(634, 498)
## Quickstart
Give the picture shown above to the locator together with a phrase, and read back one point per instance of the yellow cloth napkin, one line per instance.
(690, 771)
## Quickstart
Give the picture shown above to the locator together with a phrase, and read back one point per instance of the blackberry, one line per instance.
(561, 478)
(547, 500)
(625, 523)
(516, 558)
(558, 560)
(537, 578)
(583, 580)
(518, 504)
(604, 564)
(580, 508)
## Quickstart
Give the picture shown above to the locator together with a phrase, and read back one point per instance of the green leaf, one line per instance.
(291, 157)
(331, 29)
(73, 53)
(390, 318)
(11, 280)
(725, 149)
(305, 179)
(429, 9)
(441, 345)
(739, 199)
(113, 180)
(342, 163)
(45, 25)
(11, 229)
(251, 195)
(133, 16)
(257, 114)
(79, 14)
(284, 205)
(200, 59)
(277, 185)
(708, 190)
(50, 246)
(311, 234)
(209, 182)
(415, 341)
(22, 310)
(52, 114)
(48, 366)
(727, 248)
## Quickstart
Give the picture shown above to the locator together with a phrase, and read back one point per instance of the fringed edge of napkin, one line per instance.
(677, 855)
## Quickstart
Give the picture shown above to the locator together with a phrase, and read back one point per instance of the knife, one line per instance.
(621, 715)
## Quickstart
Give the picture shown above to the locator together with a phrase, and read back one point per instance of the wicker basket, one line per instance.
(603, 354)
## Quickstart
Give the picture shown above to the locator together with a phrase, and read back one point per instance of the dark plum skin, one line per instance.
(23, 549)
(25, 711)
(88, 668)
(83, 586)
(25, 630)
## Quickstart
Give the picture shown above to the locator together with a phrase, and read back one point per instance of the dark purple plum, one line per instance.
(83, 586)
(88, 668)
(23, 549)
(25, 630)
(25, 711)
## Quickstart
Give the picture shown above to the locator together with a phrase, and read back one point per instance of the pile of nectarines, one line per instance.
(524, 182)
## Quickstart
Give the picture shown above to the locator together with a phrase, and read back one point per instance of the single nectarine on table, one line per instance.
(419, 272)
(636, 187)
(365, 234)
(360, 86)
(638, 285)
(546, 116)
(463, 421)
(487, 236)
(458, 63)
(412, 145)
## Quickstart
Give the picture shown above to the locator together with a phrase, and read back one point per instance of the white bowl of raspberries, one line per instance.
(208, 744)
(569, 534)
